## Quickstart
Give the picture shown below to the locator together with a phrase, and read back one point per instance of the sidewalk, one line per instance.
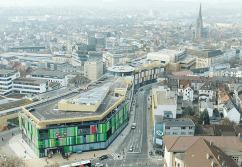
(31, 159)
(118, 141)
(20, 147)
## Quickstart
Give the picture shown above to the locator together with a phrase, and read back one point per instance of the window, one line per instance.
(183, 127)
(236, 159)
(167, 133)
(190, 133)
(167, 127)
(190, 127)
(183, 133)
(175, 133)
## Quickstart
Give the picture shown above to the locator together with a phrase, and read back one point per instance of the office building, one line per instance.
(6, 81)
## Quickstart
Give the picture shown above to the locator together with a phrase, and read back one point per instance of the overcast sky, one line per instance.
(17, 3)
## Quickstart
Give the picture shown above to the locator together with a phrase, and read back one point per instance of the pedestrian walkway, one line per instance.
(31, 159)
(116, 156)
(116, 143)
(21, 148)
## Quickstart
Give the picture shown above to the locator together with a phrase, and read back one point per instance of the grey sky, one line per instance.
(100, 2)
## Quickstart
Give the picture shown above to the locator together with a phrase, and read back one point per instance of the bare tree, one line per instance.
(56, 164)
(226, 121)
(13, 162)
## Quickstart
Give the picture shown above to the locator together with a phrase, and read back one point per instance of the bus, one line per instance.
(86, 163)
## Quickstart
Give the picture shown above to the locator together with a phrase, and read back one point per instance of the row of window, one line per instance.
(181, 133)
(183, 127)
(26, 88)
(23, 83)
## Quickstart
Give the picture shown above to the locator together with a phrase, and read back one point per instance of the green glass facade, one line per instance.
(75, 138)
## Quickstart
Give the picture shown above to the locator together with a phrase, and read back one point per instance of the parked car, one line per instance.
(103, 157)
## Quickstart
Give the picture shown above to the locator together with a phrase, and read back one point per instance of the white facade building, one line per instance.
(207, 105)
(52, 76)
(6, 78)
(231, 112)
(165, 103)
(30, 85)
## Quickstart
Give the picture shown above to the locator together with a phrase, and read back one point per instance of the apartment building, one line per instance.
(171, 127)
(6, 79)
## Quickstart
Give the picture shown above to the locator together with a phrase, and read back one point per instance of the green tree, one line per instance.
(215, 112)
(204, 118)
(188, 111)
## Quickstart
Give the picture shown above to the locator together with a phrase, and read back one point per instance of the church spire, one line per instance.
(200, 11)
(199, 25)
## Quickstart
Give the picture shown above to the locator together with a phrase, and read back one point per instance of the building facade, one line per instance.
(100, 116)
(30, 85)
(6, 81)
(93, 69)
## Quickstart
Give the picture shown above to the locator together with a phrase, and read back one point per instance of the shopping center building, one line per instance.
(144, 71)
(89, 121)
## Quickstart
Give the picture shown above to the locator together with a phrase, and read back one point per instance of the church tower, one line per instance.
(199, 25)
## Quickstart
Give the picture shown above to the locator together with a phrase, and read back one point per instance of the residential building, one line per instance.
(78, 81)
(206, 150)
(224, 130)
(207, 91)
(6, 81)
(93, 69)
(208, 106)
(171, 127)
(230, 111)
(185, 90)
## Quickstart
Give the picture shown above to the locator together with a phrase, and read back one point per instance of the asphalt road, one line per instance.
(136, 138)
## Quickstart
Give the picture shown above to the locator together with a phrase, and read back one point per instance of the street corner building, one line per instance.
(89, 121)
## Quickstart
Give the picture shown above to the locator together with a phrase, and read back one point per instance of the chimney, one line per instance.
(211, 143)
(219, 157)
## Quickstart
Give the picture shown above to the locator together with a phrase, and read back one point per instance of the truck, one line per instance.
(133, 126)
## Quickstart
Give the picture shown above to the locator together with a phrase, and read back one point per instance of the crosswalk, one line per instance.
(116, 156)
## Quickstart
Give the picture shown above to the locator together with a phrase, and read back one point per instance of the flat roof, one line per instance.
(49, 73)
(163, 100)
(93, 96)
(31, 80)
(6, 71)
(179, 122)
(50, 112)
(125, 68)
